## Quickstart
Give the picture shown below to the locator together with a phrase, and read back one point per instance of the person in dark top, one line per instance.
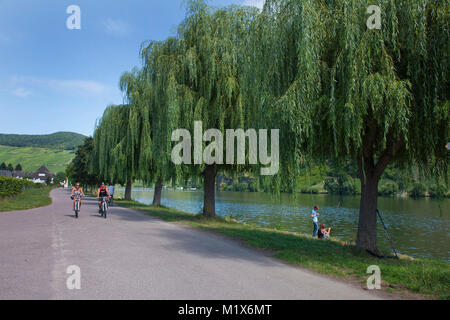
(323, 233)
(102, 192)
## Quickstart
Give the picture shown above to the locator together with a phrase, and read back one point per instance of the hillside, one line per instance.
(32, 158)
(58, 140)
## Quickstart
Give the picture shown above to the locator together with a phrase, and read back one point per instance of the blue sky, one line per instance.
(56, 79)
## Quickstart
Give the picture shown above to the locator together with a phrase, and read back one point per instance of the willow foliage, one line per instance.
(160, 111)
(211, 70)
(118, 135)
(110, 159)
(339, 89)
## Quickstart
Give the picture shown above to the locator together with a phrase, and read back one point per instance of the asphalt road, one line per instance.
(133, 256)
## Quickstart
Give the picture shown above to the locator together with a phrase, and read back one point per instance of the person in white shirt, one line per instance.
(111, 192)
(111, 189)
(314, 216)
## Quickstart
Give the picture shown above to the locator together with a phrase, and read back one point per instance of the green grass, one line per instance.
(30, 198)
(32, 158)
(427, 277)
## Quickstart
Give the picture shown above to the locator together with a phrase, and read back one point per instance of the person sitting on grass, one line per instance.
(323, 233)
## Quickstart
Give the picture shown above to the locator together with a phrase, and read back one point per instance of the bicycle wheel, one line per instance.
(105, 209)
(77, 208)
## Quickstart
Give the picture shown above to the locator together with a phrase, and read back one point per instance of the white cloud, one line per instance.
(91, 87)
(21, 92)
(254, 3)
(84, 87)
(116, 27)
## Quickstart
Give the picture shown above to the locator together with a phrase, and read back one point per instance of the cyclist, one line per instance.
(102, 192)
(111, 191)
(77, 192)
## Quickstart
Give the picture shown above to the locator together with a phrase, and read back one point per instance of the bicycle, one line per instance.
(77, 205)
(104, 207)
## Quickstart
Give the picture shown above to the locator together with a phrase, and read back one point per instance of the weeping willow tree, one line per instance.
(341, 90)
(159, 112)
(208, 87)
(133, 141)
(108, 145)
(144, 125)
(133, 148)
(118, 135)
(109, 156)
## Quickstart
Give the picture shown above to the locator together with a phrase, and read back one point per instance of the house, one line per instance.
(5, 173)
(41, 175)
(22, 174)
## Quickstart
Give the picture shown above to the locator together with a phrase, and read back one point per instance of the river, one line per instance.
(419, 228)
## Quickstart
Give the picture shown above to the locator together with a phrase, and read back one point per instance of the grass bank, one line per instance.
(31, 158)
(428, 277)
(29, 199)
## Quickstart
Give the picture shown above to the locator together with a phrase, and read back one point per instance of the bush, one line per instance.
(349, 188)
(13, 186)
(343, 185)
(240, 186)
(418, 190)
(387, 188)
(253, 186)
(438, 191)
(59, 178)
(309, 190)
(331, 185)
(227, 188)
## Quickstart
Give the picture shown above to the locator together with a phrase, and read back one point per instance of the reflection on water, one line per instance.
(417, 227)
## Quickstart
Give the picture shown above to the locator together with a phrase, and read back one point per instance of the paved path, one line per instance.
(134, 256)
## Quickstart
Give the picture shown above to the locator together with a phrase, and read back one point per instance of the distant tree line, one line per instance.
(59, 140)
(10, 167)
(80, 169)
(342, 180)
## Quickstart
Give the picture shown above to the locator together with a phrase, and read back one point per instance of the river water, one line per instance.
(418, 228)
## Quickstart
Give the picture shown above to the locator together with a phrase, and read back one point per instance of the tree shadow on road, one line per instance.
(330, 256)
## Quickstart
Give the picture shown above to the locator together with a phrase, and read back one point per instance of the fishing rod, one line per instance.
(387, 234)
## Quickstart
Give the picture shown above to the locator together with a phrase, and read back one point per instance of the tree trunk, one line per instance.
(128, 190)
(158, 192)
(367, 225)
(370, 174)
(209, 181)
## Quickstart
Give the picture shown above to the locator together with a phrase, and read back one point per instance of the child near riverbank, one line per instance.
(323, 233)
(314, 216)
